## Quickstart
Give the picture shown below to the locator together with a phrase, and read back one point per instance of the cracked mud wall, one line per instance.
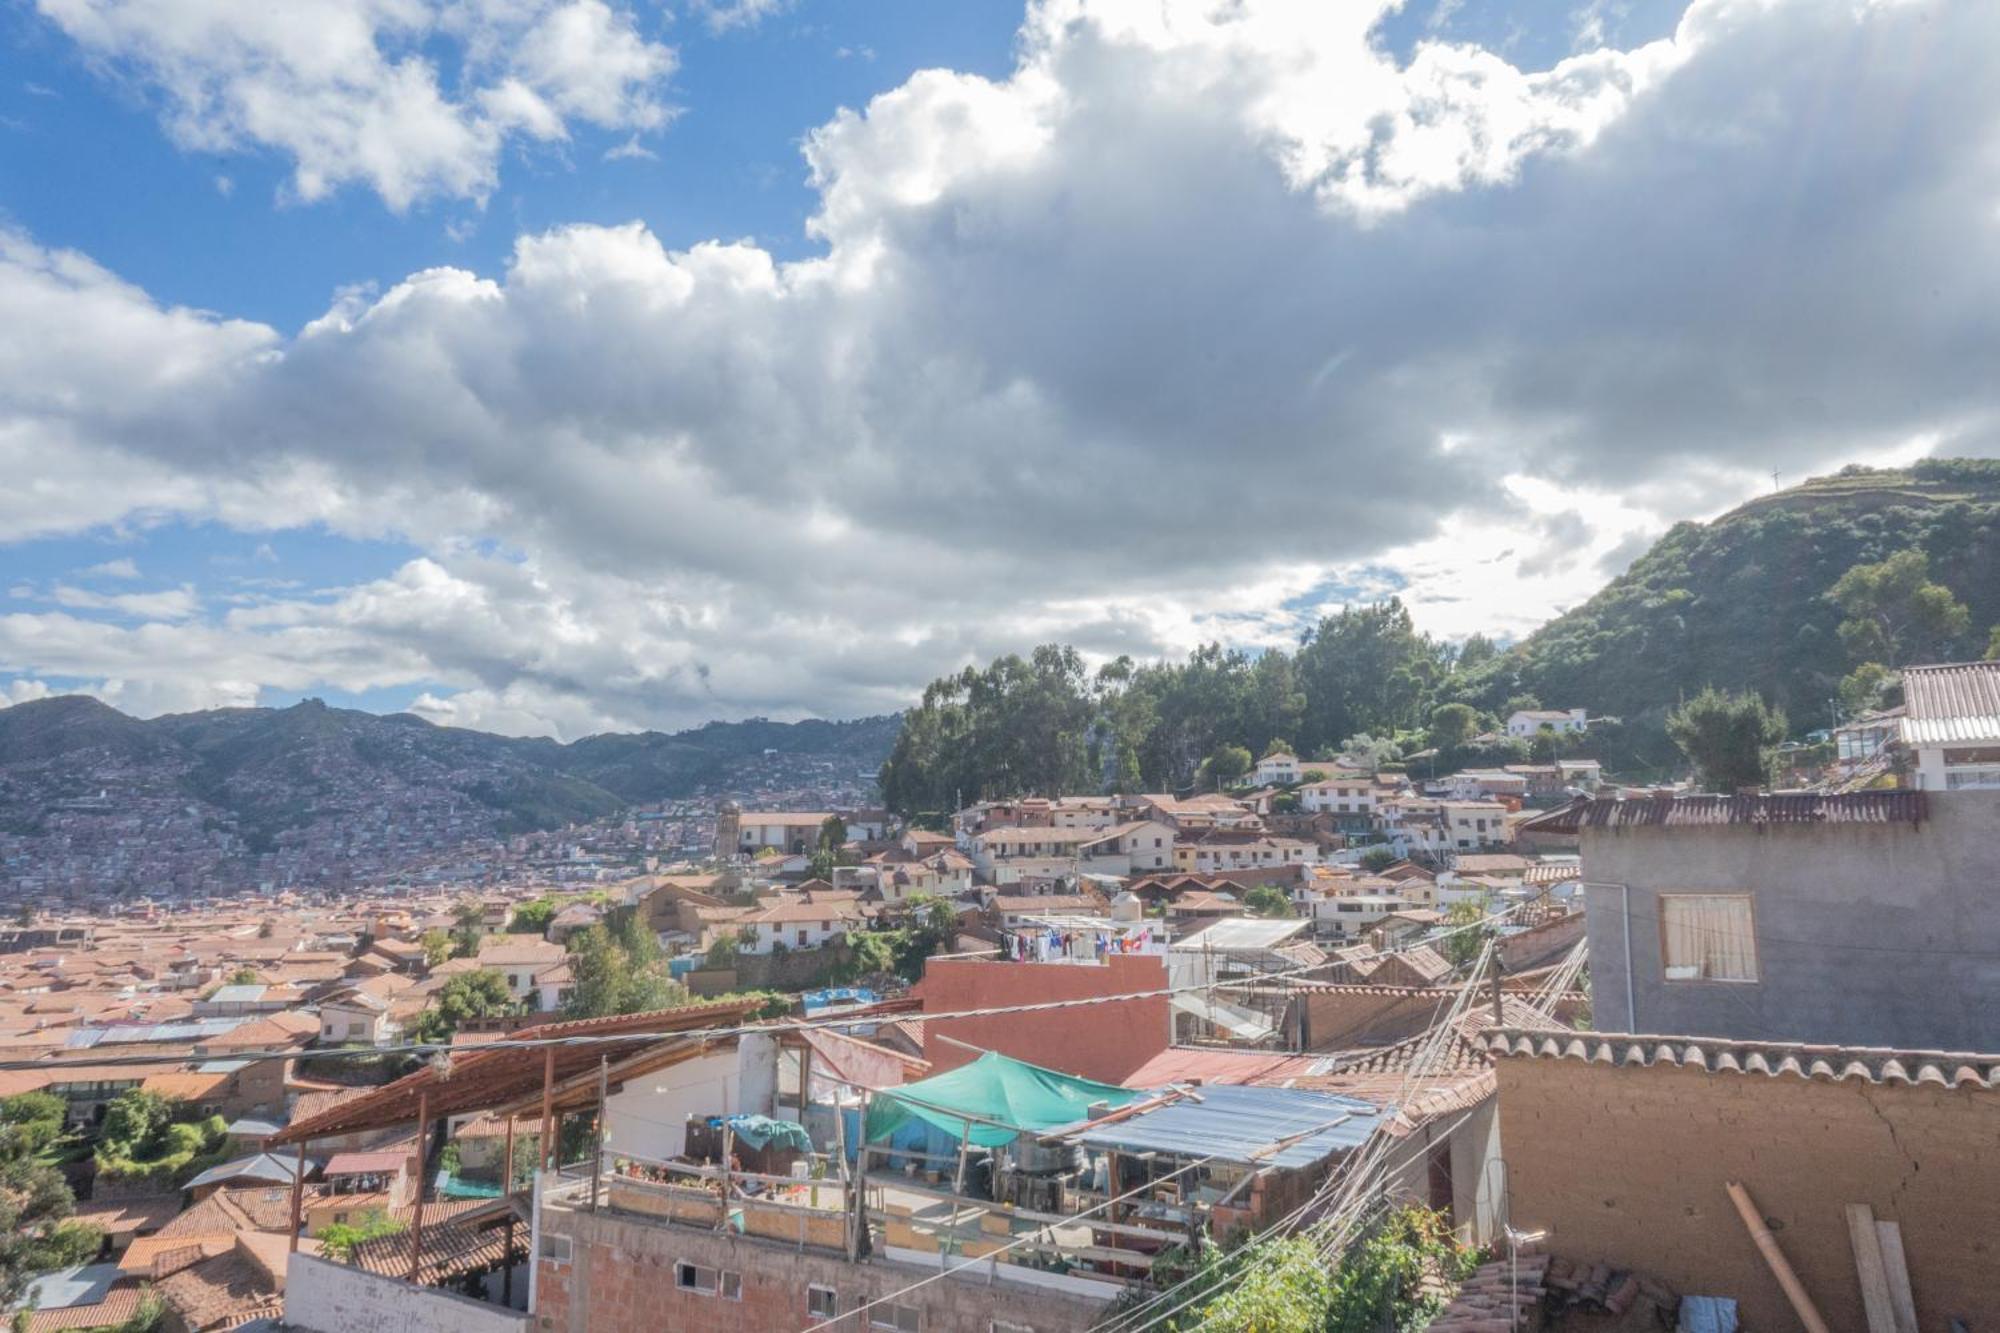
(1627, 1166)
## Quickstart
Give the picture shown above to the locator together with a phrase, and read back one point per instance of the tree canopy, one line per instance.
(480, 994)
(617, 968)
(1727, 737)
(1045, 725)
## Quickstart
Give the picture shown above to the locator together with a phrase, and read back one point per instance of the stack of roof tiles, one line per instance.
(1603, 1288)
(1499, 1297)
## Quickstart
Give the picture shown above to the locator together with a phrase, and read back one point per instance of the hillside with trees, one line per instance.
(1801, 601)
(1786, 597)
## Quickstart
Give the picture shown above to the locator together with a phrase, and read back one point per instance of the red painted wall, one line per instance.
(1100, 1041)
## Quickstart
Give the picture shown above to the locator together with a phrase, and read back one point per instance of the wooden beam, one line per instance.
(507, 1189)
(1901, 1300)
(1867, 1243)
(298, 1194)
(417, 1222)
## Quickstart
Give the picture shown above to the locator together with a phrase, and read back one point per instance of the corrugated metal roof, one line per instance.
(243, 994)
(1671, 811)
(1246, 1125)
(1244, 933)
(121, 1034)
(1957, 702)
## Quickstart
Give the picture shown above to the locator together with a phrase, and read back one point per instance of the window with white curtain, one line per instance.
(1708, 937)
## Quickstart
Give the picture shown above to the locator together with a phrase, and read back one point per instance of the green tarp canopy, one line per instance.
(758, 1130)
(993, 1087)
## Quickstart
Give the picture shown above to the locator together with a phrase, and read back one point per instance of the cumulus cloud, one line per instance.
(353, 91)
(1200, 312)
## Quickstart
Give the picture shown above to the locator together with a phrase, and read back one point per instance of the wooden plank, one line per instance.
(1902, 1300)
(1868, 1267)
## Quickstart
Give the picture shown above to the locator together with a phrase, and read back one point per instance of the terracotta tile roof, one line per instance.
(1719, 1055)
(1807, 808)
(220, 1293)
(119, 1304)
(451, 1250)
(117, 1216)
(1957, 702)
(375, 1163)
(157, 1256)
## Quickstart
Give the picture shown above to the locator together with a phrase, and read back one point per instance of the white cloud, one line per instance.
(352, 91)
(124, 567)
(165, 604)
(726, 15)
(1200, 315)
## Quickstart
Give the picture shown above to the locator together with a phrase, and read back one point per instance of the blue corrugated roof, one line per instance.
(69, 1287)
(1238, 1123)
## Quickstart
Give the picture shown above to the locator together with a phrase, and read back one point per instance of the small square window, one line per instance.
(901, 1318)
(1708, 937)
(695, 1277)
(822, 1303)
(732, 1286)
(555, 1249)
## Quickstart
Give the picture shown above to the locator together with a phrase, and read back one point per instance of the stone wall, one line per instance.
(1626, 1166)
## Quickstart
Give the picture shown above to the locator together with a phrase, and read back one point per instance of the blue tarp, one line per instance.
(1237, 1124)
(837, 995)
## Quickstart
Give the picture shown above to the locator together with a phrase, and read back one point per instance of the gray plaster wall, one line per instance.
(1867, 935)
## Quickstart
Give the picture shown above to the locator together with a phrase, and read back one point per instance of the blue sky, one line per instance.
(477, 358)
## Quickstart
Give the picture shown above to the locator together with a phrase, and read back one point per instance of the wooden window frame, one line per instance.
(1660, 928)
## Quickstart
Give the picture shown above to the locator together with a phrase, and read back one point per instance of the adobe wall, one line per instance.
(620, 1279)
(1867, 934)
(1103, 1041)
(1626, 1166)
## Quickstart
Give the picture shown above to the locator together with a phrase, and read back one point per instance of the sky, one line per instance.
(564, 366)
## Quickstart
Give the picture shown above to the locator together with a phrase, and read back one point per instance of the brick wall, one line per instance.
(1627, 1166)
(1104, 1041)
(621, 1279)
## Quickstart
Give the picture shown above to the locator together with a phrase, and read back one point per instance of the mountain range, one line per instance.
(90, 796)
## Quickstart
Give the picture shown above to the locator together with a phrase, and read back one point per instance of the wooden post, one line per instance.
(423, 1154)
(728, 1151)
(597, 1155)
(548, 1108)
(1795, 1292)
(506, 1190)
(1499, 1013)
(298, 1194)
(805, 1078)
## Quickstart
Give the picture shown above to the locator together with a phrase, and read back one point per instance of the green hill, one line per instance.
(1741, 602)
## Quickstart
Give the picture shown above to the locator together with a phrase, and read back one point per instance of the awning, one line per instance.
(1234, 1019)
(992, 1101)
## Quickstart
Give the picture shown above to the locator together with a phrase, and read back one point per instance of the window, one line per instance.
(706, 1281)
(1708, 937)
(822, 1303)
(802, 935)
(902, 1318)
(1008, 1326)
(555, 1249)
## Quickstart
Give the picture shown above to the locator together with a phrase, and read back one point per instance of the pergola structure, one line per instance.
(512, 1080)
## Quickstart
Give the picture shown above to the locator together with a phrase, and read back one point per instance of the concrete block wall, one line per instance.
(1627, 1165)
